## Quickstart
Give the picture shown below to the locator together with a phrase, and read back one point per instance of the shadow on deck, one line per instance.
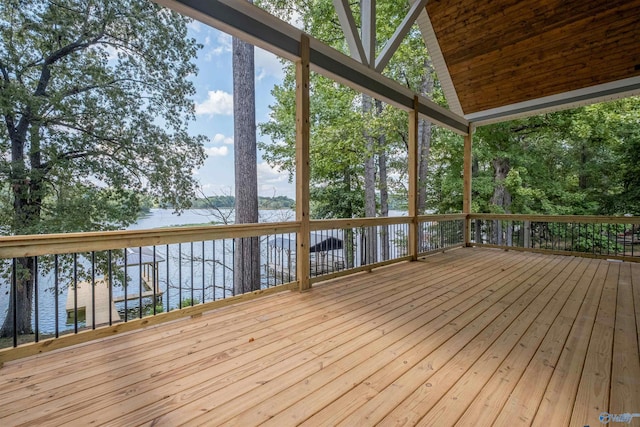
(471, 336)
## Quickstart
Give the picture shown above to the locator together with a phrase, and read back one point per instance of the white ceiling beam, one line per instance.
(572, 99)
(437, 58)
(348, 24)
(368, 27)
(403, 29)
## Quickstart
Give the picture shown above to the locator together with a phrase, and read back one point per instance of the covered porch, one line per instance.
(529, 329)
(473, 336)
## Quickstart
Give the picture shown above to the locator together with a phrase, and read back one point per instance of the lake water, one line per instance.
(168, 218)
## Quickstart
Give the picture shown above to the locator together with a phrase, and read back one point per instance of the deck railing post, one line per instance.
(466, 197)
(413, 180)
(302, 165)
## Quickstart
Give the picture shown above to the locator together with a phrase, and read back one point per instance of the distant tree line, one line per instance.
(228, 202)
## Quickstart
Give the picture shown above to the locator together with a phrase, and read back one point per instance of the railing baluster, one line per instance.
(110, 284)
(140, 282)
(213, 248)
(36, 299)
(224, 267)
(93, 290)
(75, 293)
(125, 282)
(154, 280)
(179, 275)
(204, 298)
(168, 287)
(191, 282)
(14, 301)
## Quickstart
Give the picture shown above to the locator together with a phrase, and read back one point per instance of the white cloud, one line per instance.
(221, 139)
(268, 175)
(267, 64)
(217, 151)
(218, 102)
(217, 189)
(224, 44)
(194, 26)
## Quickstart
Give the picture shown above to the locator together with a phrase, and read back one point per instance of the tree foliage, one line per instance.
(95, 104)
(582, 161)
(341, 132)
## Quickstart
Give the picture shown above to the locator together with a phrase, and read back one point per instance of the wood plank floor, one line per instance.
(470, 337)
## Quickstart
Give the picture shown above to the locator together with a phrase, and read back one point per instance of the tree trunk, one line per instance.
(424, 139)
(28, 192)
(22, 294)
(246, 268)
(501, 196)
(583, 179)
(424, 148)
(370, 240)
(349, 238)
(475, 171)
(384, 189)
(27, 202)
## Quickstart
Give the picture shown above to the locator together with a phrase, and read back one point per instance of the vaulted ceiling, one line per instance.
(496, 59)
(507, 57)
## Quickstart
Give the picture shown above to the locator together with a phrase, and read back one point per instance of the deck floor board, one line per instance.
(466, 337)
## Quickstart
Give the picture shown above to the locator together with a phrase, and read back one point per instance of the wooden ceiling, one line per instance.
(505, 52)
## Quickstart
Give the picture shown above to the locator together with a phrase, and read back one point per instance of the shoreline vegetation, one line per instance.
(228, 202)
(216, 203)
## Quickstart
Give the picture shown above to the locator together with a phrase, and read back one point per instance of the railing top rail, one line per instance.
(34, 245)
(590, 219)
(46, 244)
(324, 224)
(441, 217)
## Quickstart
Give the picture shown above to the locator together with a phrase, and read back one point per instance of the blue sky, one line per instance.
(214, 113)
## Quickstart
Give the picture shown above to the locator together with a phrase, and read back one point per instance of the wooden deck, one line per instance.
(470, 337)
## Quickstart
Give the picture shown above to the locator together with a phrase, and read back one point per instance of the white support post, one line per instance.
(368, 24)
(392, 44)
(348, 24)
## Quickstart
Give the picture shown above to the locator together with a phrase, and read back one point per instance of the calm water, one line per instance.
(166, 217)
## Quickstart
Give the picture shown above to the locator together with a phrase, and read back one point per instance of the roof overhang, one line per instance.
(247, 22)
(496, 60)
(506, 59)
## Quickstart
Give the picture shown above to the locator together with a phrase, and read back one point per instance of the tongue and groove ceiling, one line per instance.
(505, 58)
(496, 59)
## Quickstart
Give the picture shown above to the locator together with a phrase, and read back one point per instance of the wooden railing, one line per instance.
(361, 245)
(610, 237)
(85, 286)
(82, 286)
(440, 232)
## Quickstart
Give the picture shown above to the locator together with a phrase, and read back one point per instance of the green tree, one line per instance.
(380, 149)
(579, 162)
(95, 102)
